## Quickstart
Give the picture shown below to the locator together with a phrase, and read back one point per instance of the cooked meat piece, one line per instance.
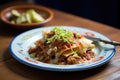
(73, 60)
(31, 50)
(91, 53)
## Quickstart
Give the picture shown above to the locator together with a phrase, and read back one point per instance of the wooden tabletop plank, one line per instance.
(15, 70)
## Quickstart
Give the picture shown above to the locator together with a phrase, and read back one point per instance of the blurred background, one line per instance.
(104, 11)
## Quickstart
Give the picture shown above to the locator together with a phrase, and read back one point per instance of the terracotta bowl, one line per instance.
(46, 13)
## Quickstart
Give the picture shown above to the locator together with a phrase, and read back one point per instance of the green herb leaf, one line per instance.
(60, 34)
(32, 55)
(41, 57)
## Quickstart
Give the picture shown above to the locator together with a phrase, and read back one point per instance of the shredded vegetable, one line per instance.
(60, 34)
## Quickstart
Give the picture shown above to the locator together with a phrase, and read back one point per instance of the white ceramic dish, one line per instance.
(20, 44)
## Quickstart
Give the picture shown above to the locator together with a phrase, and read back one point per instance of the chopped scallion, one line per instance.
(32, 55)
(60, 34)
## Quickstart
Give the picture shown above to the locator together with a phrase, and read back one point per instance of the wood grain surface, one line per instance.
(11, 69)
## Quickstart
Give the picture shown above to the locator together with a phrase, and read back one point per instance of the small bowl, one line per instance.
(46, 13)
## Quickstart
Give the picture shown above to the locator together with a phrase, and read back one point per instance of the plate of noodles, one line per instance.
(61, 48)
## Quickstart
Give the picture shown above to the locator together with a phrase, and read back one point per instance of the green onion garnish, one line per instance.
(60, 34)
(32, 55)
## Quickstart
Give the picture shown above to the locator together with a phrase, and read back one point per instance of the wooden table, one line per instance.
(11, 69)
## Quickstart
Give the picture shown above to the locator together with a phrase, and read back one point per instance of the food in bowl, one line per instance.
(30, 16)
(46, 13)
(62, 47)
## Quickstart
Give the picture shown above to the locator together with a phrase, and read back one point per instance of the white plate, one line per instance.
(20, 44)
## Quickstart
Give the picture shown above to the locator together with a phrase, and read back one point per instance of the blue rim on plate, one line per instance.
(20, 44)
